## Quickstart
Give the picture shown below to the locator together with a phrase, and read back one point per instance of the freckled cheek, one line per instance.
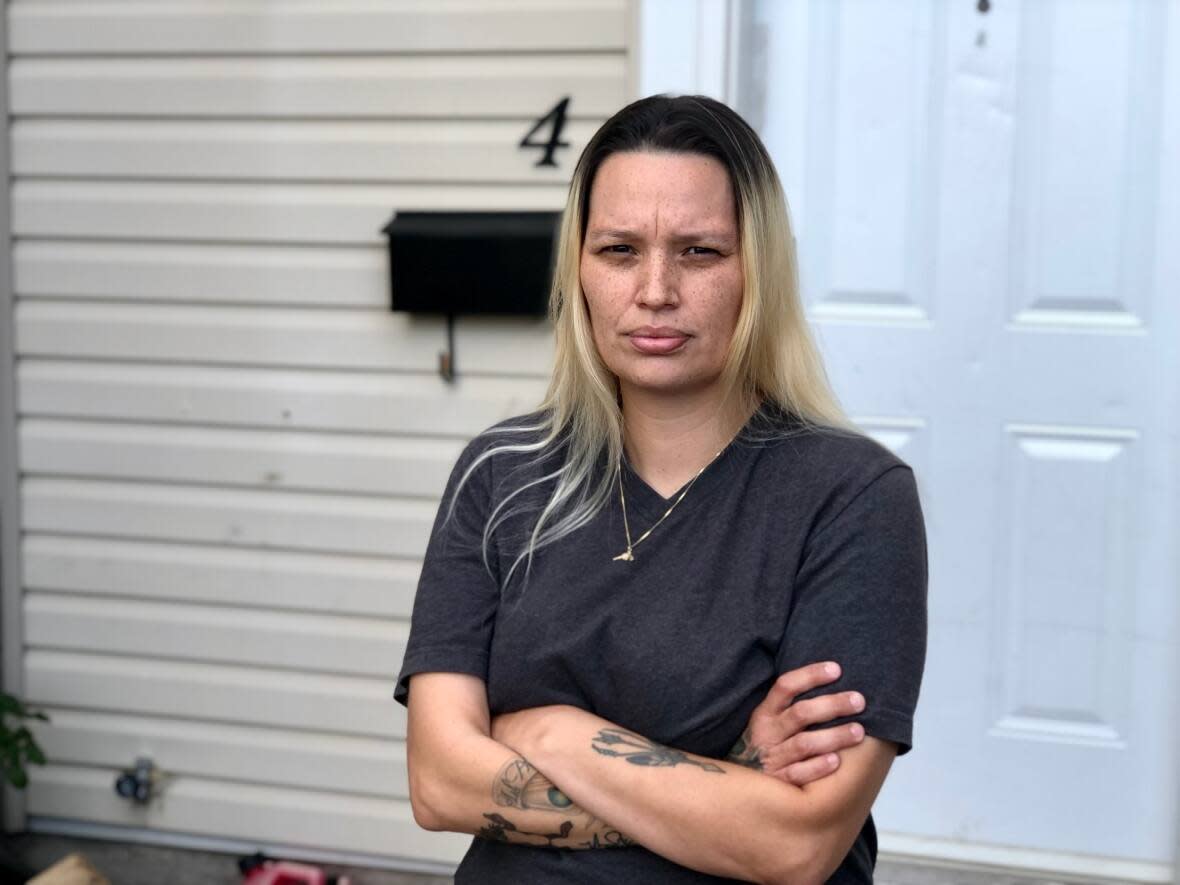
(605, 298)
(722, 306)
(721, 301)
(599, 323)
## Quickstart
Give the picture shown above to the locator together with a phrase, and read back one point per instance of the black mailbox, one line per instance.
(472, 262)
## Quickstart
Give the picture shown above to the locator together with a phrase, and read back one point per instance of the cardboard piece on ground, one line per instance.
(73, 869)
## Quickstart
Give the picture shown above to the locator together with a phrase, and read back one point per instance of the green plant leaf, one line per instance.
(14, 772)
(12, 706)
(19, 745)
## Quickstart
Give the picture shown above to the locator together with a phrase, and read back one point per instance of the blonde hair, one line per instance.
(772, 357)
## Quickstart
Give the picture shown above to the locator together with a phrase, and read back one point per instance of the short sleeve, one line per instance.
(860, 600)
(456, 599)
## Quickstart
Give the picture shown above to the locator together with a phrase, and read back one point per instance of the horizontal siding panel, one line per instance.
(281, 580)
(284, 459)
(345, 339)
(240, 335)
(336, 276)
(376, 402)
(234, 752)
(220, 808)
(505, 345)
(453, 152)
(320, 214)
(220, 692)
(243, 518)
(440, 86)
(215, 634)
(216, 26)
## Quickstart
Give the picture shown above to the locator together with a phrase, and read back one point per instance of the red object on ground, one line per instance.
(262, 870)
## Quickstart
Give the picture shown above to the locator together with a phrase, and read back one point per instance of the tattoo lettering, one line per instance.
(744, 754)
(609, 839)
(639, 750)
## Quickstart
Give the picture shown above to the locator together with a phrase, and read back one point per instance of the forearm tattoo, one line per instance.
(500, 829)
(519, 785)
(745, 754)
(638, 750)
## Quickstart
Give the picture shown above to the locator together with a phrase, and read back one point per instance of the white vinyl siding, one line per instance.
(230, 450)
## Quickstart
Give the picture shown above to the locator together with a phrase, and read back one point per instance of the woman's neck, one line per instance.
(669, 439)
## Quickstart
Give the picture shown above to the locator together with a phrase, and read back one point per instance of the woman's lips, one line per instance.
(645, 344)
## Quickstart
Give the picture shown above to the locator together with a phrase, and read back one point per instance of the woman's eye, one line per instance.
(624, 249)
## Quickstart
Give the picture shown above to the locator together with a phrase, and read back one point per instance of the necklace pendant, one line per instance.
(625, 556)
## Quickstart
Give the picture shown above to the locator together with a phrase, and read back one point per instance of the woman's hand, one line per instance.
(775, 742)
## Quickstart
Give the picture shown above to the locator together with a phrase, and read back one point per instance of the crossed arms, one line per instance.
(778, 810)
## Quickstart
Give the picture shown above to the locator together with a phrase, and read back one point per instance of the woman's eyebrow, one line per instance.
(687, 236)
(696, 236)
(621, 233)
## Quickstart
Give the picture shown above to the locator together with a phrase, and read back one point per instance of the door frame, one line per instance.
(713, 29)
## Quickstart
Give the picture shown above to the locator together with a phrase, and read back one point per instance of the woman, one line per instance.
(631, 595)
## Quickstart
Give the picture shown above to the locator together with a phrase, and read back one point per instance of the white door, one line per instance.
(987, 205)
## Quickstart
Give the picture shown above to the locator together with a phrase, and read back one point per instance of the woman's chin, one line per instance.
(670, 384)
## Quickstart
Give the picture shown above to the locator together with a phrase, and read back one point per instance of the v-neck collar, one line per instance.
(645, 502)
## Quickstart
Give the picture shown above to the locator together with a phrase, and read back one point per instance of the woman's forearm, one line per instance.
(714, 816)
(525, 798)
(499, 795)
(463, 780)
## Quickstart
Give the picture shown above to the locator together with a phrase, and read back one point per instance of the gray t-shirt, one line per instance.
(783, 553)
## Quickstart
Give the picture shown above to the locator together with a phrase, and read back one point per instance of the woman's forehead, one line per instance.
(661, 194)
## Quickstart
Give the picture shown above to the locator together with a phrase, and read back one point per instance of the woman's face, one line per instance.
(661, 269)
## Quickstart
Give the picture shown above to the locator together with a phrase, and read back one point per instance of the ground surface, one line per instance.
(130, 864)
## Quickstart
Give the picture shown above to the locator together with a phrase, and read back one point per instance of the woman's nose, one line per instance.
(658, 286)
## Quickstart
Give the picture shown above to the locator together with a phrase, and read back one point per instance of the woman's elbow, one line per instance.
(425, 816)
(794, 870)
(797, 856)
(425, 802)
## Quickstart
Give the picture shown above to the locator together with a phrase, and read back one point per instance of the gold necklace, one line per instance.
(628, 554)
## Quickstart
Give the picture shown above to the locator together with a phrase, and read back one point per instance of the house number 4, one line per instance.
(555, 119)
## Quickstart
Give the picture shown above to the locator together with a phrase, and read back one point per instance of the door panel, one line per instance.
(987, 215)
